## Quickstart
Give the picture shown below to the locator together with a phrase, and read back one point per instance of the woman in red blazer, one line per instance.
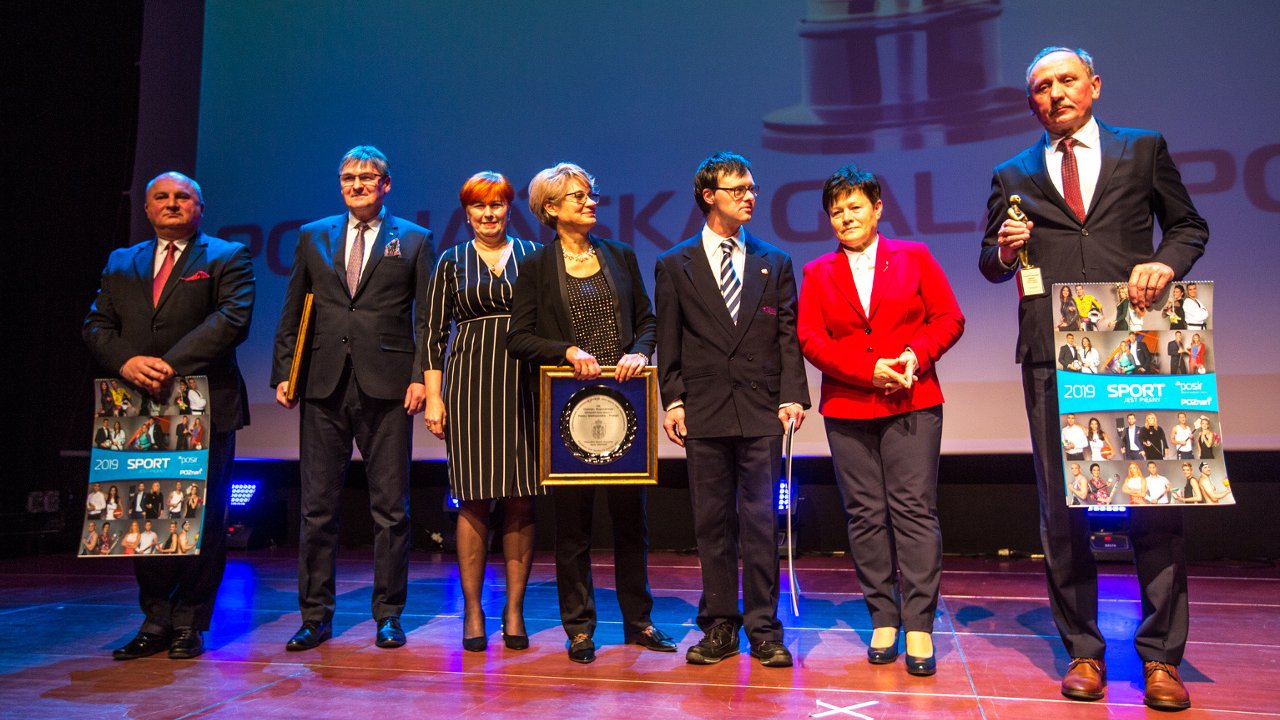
(875, 315)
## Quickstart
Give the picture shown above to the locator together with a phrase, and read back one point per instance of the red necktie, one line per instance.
(1071, 179)
(166, 267)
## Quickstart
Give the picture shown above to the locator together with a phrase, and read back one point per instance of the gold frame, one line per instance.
(549, 373)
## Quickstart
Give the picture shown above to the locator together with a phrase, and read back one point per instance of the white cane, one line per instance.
(791, 564)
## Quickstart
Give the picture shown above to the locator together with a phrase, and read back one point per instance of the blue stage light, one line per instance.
(451, 502)
(242, 493)
(1108, 509)
(784, 497)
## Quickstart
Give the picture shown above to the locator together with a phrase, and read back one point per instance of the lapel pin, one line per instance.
(764, 271)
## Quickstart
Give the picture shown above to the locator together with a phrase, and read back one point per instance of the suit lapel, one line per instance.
(144, 264)
(885, 251)
(190, 257)
(755, 271)
(338, 247)
(1113, 148)
(561, 278)
(842, 279)
(388, 229)
(1038, 171)
(706, 287)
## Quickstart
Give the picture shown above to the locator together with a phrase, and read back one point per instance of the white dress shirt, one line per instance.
(863, 266)
(1088, 152)
(162, 247)
(369, 236)
(711, 246)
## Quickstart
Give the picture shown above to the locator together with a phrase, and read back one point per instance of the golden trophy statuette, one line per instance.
(1030, 281)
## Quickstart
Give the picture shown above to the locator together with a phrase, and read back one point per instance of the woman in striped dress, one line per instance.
(486, 413)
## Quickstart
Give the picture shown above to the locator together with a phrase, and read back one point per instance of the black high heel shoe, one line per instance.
(922, 666)
(474, 644)
(514, 642)
(883, 655)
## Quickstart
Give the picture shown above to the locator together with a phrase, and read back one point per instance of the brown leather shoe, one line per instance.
(1086, 679)
(1165, 690)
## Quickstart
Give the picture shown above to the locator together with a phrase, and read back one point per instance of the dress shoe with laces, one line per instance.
(1086, 679)
(309, 636)
(389, 633)
(187, 643)
(771, 653)
(1165, 690)
(719, 642)
(144, 644)
(651, 638)
(582, 649)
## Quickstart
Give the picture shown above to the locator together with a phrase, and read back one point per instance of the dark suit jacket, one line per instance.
(912, 305)
(732, 378)
(541, 329)
(203, 314)
(1137, 181)
(1066, 356)
(377, 327)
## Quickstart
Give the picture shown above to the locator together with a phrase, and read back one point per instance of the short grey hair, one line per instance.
(548, 186)
(1081, 53)
(369, 154)
(175, 175)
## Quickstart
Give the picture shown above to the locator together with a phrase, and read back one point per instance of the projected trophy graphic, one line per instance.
(877, 76)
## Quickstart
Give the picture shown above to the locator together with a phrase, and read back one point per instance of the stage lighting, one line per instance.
(242, 493)
(1109, 533)
(451, 503)
(784, 497)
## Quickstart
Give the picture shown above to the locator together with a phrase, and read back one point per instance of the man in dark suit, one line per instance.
(1090, 191)
(1068, 355)
(1177, 355)
(102, 438)
(732, 378)
(179, 304)
(362, 382)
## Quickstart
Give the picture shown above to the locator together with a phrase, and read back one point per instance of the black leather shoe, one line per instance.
(772, 653)
(309, 636)
(882, 656)
(719, 642)
(389, 633)
(144, 644)
(475, 644)
(921, 666)
(187, 643)
(653, 639)
(582, 649)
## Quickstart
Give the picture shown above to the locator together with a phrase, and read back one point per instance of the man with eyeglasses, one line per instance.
(732, 379)
(362, 381)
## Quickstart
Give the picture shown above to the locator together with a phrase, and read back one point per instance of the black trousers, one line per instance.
(178, 592)
(887, 471)
(733, 485)
(574, 512)
(383, 432)
(1156, 533)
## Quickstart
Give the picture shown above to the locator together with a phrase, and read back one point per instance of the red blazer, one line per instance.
(912, 305)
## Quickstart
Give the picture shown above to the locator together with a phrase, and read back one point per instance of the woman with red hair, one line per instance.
(485, 411)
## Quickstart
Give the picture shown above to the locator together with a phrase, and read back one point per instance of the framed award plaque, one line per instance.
(597, 432)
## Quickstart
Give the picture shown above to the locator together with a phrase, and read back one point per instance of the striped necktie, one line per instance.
(730, 286)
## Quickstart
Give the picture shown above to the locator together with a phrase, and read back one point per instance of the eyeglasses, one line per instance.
(737, 193)
(581, 197)
(364, 178)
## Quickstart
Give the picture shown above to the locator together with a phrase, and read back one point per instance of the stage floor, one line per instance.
(998, 653)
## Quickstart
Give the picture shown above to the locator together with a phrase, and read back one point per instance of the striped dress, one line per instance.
(491, 411)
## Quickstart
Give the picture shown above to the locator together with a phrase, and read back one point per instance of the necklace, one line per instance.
(583, 256)
(500, 264)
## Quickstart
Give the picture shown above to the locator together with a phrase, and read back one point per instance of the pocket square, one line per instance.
(768, 310)
(393, 249)
(199, 275)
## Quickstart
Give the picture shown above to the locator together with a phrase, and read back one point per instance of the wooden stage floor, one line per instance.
(998, 653)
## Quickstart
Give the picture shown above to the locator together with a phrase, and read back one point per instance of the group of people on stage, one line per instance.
(397, 332)
(184, 398)
(143, 503)
(1080, 311)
